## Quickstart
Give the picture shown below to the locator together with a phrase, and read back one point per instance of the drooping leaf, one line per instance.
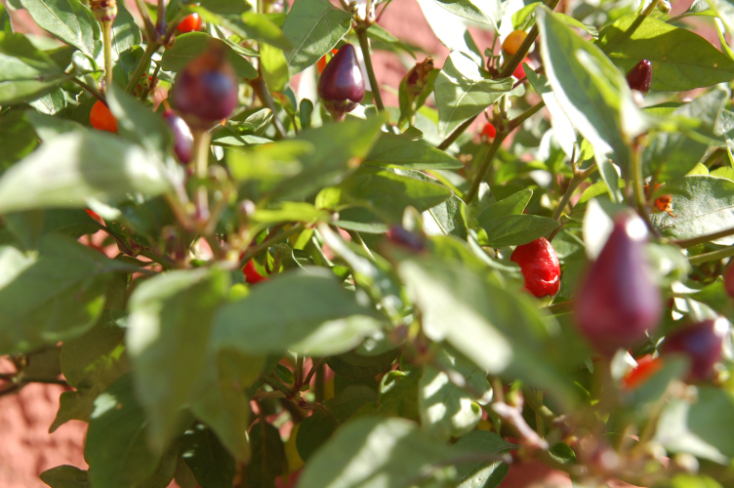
(68, 20)
(210, 463)
(268, 456)
(170, 321)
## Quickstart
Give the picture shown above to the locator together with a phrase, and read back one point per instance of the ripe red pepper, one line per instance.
(252, 276)
(489, 130)
(647, 366)
(101, 118)
(540, 267)
(191, 23)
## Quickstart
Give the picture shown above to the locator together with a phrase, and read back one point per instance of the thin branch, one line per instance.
(365, 45)
(90, 89)
(488, 158)
(255, 250)
(712, 256)
(456, 133)
(694, 241)
(262, 91)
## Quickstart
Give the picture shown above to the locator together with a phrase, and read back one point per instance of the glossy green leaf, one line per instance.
(462, 91)
(313, 28)
(701, 205)
(515, 230)
(190, 45)
(482, 474)
(71, 168)
(274, 67)
(268, 456)
(338, 151)
(399, 394)
(210, 463)
(51, 103)
(400, 151)
(591, 91)
(68, 283)
(381, 196)
(65, 476)
(681, 60)
(170, 321)
(445, 409)
(27, 72)
(377, 33)
(512, 205)
(235, 16)
(68, 20)
(48, 127)
(319, 317)
(563, 129)
(125, 32)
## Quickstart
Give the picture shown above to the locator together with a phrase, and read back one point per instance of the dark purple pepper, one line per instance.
(702, 344)
(640, 77)
(618, 300)
(205, 92)
(341, 86)
(403, 237)
(183, 140)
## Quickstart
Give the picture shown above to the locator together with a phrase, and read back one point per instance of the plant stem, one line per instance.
(575, 182)
(262, 91)
(456, 133)
(488, 158)
(255, 250)
(107, 44)
(517, 121)
(694, 241)
(650, 8)
(522, 51)
(202, 139)
(150, 49)
(365, 45)
(712, 256)
(90, 89)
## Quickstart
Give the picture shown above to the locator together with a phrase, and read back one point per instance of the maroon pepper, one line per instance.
(341, 86)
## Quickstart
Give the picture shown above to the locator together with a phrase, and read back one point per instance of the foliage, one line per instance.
(380, 334)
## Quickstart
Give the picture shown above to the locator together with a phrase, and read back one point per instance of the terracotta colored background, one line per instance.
(26, 448)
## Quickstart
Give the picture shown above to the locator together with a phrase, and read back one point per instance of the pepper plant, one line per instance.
(301, 285)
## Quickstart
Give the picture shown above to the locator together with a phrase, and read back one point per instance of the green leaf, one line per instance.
(701, 205)
(399, 394)
(591, 91)
(681, 60)
(700, 427)
(125, 32)
(17, 138)
(274, 67)
(245, 24)
(189, 46)
(515, 230)
(316, 429)
(482, 474)
(68, 20)
(68, 283)
(91, 363)
(72, 168)
(268, 456)
(382, 195)
(319, 318)
(170, 321)
(563, 129)
(482, 11)
(360, 367)
(211, 464)
(27, 71)
(452, 31)
(48, 127)
(462, 91)
(496, 328)
(260, 28)
(51, 103)
(65, 477)
(313, 28)
(448, 217)
(116, 448)
(137, 122)
(377, 33)
(512, 205)
(339, 148)
(391, 453)
(446, 410)
(400, 151)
